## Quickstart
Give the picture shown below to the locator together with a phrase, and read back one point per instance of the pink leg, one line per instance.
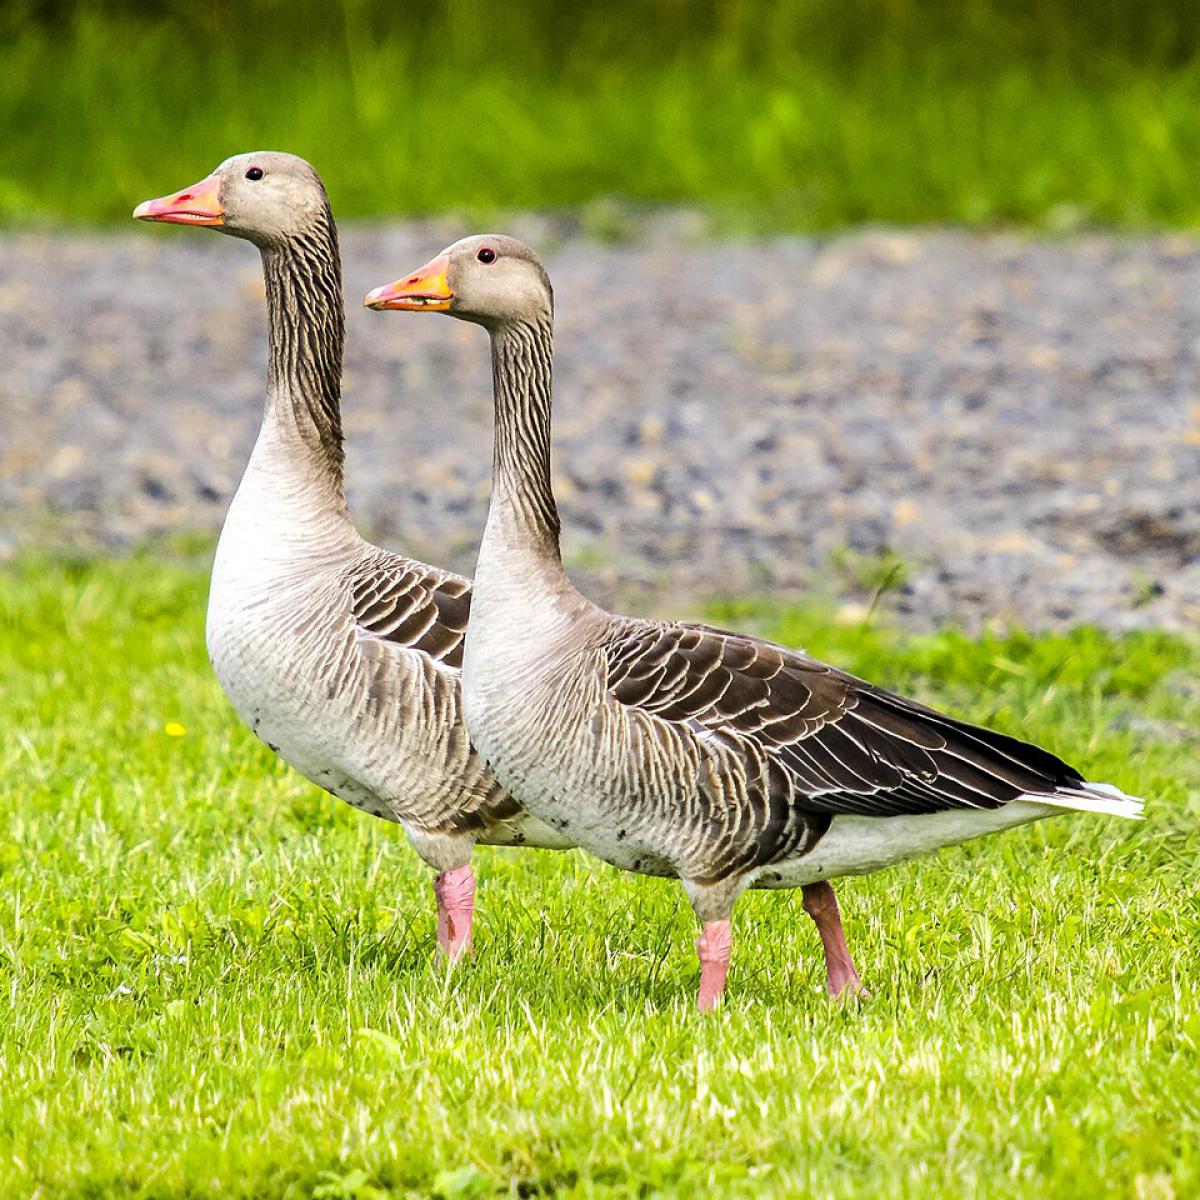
(455, 892)
(714, 947)
(821, 904)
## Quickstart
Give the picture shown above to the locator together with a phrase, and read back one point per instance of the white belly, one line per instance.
(860, 845)
(275, 683)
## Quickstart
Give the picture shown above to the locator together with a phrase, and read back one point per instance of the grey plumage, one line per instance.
(342, 656)
(678, 749)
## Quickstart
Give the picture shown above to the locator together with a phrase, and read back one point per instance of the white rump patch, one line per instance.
(858, 845)
(1094, 798)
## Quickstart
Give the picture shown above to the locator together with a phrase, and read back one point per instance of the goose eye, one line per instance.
(486, 255)
(254, 173)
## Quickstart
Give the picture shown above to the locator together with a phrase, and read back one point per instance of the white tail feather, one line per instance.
(1091, 797)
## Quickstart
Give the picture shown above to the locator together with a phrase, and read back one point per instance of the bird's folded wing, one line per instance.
(849, 747)
(412, 606)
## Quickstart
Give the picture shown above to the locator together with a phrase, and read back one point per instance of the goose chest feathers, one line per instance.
(678, 749)
(343, 657)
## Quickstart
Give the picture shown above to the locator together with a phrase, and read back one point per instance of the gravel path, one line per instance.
(1017, 420)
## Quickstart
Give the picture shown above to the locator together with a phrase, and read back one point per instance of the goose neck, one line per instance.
(306, 331)
(522, 358)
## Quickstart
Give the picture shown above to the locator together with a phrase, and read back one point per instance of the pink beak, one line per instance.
(198, 205)
(425, 290)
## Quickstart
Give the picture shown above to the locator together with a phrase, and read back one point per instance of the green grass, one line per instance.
(219, 982)
(775, 114)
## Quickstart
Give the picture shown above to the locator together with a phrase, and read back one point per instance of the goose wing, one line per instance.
(411, 621)
(848, 746)
(412, 606)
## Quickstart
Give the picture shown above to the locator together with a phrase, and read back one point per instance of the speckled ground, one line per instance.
(1016, 420)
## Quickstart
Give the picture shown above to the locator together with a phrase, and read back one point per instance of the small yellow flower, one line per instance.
(174, 729)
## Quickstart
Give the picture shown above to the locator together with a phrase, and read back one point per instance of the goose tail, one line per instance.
(1091, 797)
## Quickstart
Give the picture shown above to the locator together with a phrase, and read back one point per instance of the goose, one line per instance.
(677, 749)
(342, 656)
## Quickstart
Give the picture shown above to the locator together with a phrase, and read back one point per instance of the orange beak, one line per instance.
(425, 290)
(198, 205)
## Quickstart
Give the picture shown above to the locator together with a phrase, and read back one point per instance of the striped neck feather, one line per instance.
(522, 366)
(306, 322)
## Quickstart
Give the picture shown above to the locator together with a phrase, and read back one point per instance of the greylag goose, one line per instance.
(677, 749)
(343, 657)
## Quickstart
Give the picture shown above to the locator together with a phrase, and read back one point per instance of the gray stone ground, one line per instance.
(1017, 420)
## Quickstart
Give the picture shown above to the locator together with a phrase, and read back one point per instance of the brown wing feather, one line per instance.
(411, 605)
(400, 604)
(846, 746)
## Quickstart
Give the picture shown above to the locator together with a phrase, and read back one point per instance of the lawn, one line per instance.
(768, 114)
(220, 982)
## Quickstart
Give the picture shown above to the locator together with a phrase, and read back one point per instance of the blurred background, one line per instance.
(892, 299)
(875, 320)
(803, 114)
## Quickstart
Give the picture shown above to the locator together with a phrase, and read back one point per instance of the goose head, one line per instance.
(266, 197)
(488, 279)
